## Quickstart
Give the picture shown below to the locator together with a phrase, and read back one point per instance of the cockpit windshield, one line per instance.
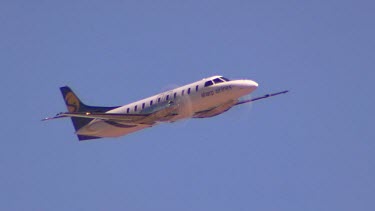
(215, 81)
(218, 80)
(208, 83)
(224, 79)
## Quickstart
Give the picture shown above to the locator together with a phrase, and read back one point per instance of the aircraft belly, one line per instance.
(101, 128)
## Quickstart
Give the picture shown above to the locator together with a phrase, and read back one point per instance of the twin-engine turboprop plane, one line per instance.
(205, 98)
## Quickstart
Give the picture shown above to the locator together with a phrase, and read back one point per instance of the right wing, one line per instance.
(259, 98)
(226, 106)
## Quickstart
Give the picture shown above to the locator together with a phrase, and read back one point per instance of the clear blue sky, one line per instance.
(312, 149)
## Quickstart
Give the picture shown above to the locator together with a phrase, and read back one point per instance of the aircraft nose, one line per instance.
(252, 84)
(249, 85)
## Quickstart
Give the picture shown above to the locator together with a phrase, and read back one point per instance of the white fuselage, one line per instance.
(191, 99)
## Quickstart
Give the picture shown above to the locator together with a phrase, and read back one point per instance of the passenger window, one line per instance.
(188, 91)
(135, 108)
(167, 98)
(143, 105)
(208, 83)
(196, 88)
(218, 80)
(151, 103)
(159, 100)
(175, 95)
(183, 92)
(127, 110)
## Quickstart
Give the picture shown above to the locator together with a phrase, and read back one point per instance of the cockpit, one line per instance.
(215, 81)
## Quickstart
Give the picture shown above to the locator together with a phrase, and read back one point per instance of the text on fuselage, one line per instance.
(216, 91)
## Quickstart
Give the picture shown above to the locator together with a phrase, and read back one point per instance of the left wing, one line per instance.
(83, 115)
(101, 116)
(162, 112)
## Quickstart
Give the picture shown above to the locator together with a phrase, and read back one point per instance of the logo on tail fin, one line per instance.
(72, 102)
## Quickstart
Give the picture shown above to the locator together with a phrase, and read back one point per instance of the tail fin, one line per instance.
(74, 104)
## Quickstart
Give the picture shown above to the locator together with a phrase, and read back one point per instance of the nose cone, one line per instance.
(252, 84)
(247, 86)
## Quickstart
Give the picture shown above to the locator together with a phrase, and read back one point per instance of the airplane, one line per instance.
(201, 99)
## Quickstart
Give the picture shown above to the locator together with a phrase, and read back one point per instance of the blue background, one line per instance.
(311, 149)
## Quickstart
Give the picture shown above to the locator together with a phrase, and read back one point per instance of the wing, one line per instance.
(259, 98)
(226, 106)
(101, 116)
(152, 115)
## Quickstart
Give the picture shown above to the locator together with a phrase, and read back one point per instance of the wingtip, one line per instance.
(283, 92)
(48, 118)
(55, 117)
(278, 93)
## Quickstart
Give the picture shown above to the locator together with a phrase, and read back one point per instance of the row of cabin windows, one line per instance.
(167, 98)
(208, 83)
